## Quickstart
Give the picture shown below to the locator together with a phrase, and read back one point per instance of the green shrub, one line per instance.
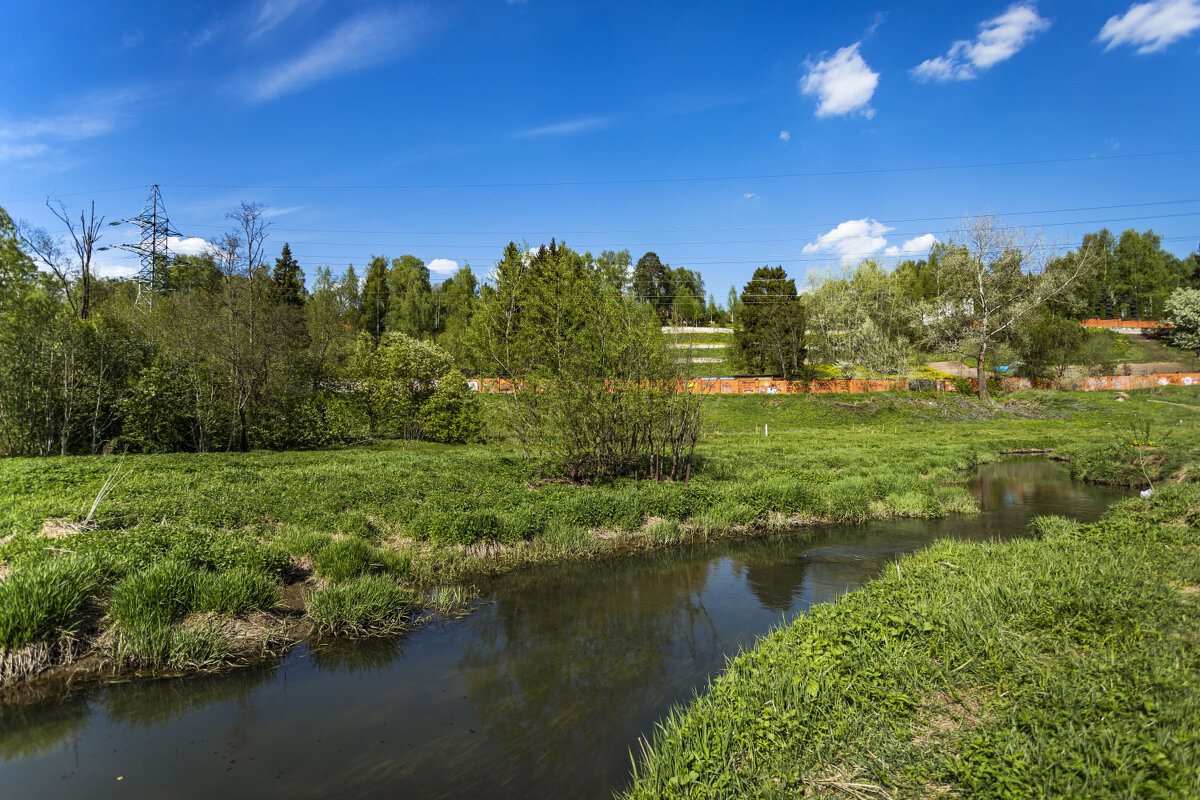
(452, 414)
(38, 600)
(343, 559)
(234, 591)
(368, 603)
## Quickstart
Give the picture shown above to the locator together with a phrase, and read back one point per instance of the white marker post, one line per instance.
(766, 431)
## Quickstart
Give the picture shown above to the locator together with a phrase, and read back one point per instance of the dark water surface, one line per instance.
(540, 693)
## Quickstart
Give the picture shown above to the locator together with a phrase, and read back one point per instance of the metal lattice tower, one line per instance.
(152, 248)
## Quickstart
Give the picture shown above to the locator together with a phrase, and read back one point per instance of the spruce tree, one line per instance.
(376, 298)
(289, 282)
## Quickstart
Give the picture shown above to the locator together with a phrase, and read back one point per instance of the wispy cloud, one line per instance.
(272, 13)
(566, 128)
(842, 84)
(785, 136)
(999, 39)
(364, 41)
(94, 115)
(1152, 26)
(749, 195)
(279, 212)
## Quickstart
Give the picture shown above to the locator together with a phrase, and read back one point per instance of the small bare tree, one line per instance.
(992, 277)
(75, 275)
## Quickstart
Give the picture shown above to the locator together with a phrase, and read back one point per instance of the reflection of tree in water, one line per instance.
(27, 732)
(560, 668)
(774, 572)
(143, 703)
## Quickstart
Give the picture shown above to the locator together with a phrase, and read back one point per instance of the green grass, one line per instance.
(368, 604)
(232, 527)
(1061, 666)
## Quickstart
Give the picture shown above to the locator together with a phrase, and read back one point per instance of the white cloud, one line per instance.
(999, 39)
(1152, 26)
(187, 246)
(271, 211)
(852, 239)
(785, 136)
(361, 42)
(443, 266)
(566, 128)
(916, 246)
(273, 12)
(749, 195)
(842, 84)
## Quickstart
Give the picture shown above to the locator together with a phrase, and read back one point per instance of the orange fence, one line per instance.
(855, 386)
(1124, 323)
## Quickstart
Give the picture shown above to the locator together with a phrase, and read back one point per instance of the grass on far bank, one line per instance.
(1062, 666)
(185, 543)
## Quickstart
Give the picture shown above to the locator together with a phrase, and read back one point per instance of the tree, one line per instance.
(990, 278)
(773, 320)
(289, 280)
(410, 307)
(1183, 309)
(596, 392)
(376, 298)
(651, 282)
(75, 276)
(613, 268)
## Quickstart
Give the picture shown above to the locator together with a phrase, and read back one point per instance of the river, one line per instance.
(541, 692)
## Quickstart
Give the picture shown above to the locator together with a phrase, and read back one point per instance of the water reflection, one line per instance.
(540, 692)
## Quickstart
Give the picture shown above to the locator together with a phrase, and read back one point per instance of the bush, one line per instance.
(368, 603)
(343, 559)
(234, 591)
(452, 414)
(37, 601)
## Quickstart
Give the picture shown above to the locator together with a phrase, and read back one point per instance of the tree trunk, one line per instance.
(981, 375)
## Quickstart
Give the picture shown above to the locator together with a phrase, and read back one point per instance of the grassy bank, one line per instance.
(1062, 666)
(194, 561)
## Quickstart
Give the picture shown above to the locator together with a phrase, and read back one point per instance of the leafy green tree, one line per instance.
(288, 278)
(410, 310)
(460, 295)
(1143, 274)
(394, 378)
(613, 268)
(594, 384)
(186, 273)
(652, 283)
(771, 338)
(376, 298)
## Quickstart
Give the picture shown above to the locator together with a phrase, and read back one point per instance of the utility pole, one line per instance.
(152, 248)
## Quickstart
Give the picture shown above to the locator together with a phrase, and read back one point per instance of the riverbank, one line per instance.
(202, 562)
(1062, 666)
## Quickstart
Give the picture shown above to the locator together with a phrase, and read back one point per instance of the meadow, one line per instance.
(196, 561)
(1058, 666)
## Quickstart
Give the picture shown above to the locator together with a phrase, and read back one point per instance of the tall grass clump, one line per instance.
(371, 603)
(233, 592)
(160, 593)
(39, 600)
(343, 559)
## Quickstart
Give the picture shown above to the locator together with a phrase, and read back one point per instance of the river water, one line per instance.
(541, 692)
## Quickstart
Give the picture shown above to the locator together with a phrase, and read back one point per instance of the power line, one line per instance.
(825, 259)
(692, 179)
(492, 247)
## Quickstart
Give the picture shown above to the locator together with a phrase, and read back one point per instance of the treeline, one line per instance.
(230, 350)
(992, 294)
(226, 352)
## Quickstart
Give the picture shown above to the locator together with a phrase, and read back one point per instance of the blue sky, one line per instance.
(721, 135)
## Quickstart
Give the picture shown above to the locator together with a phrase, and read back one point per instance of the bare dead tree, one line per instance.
(75, 275)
